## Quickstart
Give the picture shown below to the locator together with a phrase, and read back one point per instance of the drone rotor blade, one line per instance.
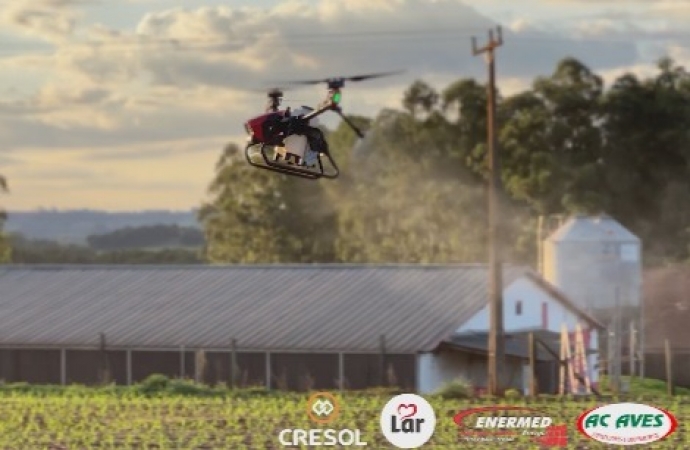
(326, 80)
(351, 78)
(270, 88)
(373, 75)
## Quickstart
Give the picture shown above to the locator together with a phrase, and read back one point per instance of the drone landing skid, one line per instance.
(271, 159)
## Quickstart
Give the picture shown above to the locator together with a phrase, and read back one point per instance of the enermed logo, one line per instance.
(322, 408)
(503, 424)
(408, 421)
(627, 424)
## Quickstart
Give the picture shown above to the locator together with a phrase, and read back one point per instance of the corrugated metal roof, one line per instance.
(263, 307)
(592, 228)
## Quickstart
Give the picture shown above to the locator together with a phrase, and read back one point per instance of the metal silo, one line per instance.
(597, 263)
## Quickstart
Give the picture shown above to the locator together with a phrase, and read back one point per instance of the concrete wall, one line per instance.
(436, 369)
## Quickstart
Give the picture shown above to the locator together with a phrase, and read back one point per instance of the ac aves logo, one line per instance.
(408, 421)
(627, 424)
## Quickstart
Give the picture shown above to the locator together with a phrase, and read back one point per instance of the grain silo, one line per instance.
(597, 263)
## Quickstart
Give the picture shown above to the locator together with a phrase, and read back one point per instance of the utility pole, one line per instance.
(632, 352)
(496, 334)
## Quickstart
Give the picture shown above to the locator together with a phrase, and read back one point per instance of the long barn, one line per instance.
(280, 326)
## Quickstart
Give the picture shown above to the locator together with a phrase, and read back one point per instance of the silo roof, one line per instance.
(592, 228)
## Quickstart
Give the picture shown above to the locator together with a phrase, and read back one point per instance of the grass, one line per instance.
(167, 414)
(643, 386)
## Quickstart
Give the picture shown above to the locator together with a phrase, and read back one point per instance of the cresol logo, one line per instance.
(322, 408)
(627, 424)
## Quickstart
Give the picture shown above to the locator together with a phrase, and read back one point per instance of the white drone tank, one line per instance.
(297, 144)
(597, 263)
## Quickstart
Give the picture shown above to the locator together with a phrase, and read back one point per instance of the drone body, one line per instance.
(290, 142)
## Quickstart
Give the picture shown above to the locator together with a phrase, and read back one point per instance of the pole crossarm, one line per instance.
(491, 45)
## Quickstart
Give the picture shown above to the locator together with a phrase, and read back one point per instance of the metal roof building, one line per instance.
(272, 307)
(267, 324)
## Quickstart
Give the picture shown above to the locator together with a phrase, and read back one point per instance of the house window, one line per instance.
(518, 308)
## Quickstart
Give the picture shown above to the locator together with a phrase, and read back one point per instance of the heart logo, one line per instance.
(405, 411)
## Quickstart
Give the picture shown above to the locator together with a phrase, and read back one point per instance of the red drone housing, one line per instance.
(263, 128)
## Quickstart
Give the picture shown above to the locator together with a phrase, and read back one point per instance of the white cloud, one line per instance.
(183, 73)
(51, 20)
(640, 70)
(169, 173)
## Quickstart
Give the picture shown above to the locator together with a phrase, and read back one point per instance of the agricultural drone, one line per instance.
(289, 142)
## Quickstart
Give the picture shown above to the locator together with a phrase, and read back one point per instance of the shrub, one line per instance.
(513, 393)
(154, 384)
(188, 387)
(457, 388)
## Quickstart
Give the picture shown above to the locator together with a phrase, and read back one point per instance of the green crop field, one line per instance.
(112, 418)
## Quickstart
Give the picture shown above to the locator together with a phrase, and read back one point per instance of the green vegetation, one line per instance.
(413, 190)
(168, 414)
(146, 237)
(456, 389)
(5, 247)
(26, 251)
(642, 386)
(513, 394)
(157, 244)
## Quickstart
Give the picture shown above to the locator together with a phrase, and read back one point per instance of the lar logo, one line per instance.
(627, 424)
(322, 408)
(408, 421)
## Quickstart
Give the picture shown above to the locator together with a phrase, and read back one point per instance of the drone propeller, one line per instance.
(270, 90)
(373, 75)
(351, 78)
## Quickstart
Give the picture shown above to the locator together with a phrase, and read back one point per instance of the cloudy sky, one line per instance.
(126, 104)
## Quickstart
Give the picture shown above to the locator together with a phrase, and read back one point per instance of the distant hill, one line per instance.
(148, 237)
(74, 226)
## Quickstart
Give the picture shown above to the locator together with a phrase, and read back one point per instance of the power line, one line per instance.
(303, 40)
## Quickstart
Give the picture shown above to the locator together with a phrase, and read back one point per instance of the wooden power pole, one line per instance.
(496, 333)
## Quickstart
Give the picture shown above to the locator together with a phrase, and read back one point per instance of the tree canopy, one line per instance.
(414, 189)
(147, 237)
(40, 251)
(5, 248)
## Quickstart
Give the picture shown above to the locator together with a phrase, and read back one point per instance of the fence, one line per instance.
(655, 367)
(669, 365)
(275, 370)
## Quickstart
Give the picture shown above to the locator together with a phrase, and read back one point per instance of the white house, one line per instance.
(530, 304)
